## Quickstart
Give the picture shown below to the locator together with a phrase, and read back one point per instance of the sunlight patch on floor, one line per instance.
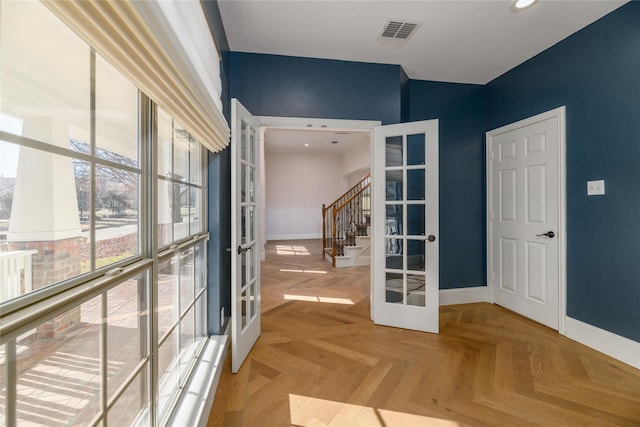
(312, 298)
(310, 411)
(285, 270)
(292, 250)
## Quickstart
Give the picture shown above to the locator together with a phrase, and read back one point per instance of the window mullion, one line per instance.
(149, 164)
(92, 164)
(104, 330)
(11, 395)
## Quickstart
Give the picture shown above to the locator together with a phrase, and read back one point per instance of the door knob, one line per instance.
(242, 250)
(431, 238)
(549, 234)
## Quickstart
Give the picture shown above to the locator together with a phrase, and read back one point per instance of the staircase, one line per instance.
(345, 226)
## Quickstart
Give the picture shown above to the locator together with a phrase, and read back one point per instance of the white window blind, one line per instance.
(165, 48)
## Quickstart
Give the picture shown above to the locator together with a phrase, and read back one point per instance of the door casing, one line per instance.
(560, 114)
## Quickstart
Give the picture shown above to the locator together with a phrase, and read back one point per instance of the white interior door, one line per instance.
(525, 232)
(405, 226)
(245, 261)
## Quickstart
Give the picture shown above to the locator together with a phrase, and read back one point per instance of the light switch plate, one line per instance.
(595, 188)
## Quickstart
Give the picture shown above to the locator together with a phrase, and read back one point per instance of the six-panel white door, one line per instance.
(524, 221)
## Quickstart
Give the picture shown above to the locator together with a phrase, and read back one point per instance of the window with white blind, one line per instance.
(102, 234)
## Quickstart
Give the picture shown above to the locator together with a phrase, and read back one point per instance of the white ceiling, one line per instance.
(472, 41)
(317, 140)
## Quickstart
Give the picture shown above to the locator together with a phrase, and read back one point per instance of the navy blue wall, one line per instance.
(460, 111)
(596, 74)
(405, 105)
(219, 184)
(284, 86)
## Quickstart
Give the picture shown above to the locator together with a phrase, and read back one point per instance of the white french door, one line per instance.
(245, 259)
(525, 209)
(404, 273)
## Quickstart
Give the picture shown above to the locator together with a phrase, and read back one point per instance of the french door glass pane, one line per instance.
(415, 149)
(394, 152)
(243, 141)
(393, 220)
(243, 183)
(415, 254)
(415, 290)
(415, 220)
(251, 267)
(394, 251)
(415, 184)
(394, 185)
(251, 148)
(394, 289)
(243, 226)
(252, 183)
(251, 220)
(253, 301)
(244, 308)
(244, 261)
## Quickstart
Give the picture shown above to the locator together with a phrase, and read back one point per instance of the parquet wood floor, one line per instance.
(320, 361)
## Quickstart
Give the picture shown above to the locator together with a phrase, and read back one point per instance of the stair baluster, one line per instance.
(344, 219)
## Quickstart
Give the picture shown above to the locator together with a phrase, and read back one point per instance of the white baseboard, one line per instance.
(464, 295)
(294, 236)
(616, 346)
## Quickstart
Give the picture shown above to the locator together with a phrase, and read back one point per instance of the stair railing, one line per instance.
(347, 217)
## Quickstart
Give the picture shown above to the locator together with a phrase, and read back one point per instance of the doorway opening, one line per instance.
(307, 162)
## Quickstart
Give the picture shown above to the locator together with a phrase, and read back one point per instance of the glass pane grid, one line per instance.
(68, 365)
(405, 220)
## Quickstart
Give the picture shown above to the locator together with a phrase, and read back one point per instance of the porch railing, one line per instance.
(345, 218)
(15, 274)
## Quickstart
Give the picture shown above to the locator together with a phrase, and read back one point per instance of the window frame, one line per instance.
(19, 315)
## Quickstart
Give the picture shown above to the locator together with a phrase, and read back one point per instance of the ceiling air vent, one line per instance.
(399, 29)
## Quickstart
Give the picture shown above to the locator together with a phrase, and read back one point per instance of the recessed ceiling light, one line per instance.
(306, 145)
(521, 4)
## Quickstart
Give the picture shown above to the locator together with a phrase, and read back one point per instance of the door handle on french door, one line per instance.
(549, 234)
(431, 238)
(242, 250)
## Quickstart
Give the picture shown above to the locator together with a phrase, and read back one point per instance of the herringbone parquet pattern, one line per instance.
(320, 361)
